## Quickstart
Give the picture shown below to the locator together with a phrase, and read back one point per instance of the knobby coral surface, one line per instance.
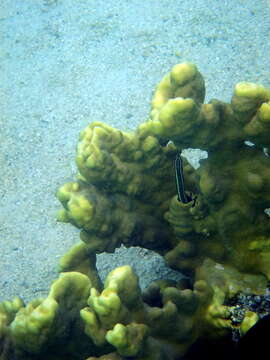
(125, 193)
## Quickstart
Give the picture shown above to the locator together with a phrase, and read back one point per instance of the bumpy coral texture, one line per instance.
(125, 193)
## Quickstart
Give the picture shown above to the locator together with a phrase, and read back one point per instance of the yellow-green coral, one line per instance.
(227, 228)
(8, 311)
(46, 323)
(81, 260)
(125, 193)
(130, 321)
(121, 293)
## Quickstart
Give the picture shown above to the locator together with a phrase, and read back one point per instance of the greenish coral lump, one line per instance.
(125, 193)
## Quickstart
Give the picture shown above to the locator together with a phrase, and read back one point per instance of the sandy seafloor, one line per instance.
(65, 63)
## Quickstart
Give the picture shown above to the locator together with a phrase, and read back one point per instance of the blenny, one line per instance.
(182, 195)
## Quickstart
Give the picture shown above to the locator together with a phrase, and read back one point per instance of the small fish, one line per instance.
(180, 183)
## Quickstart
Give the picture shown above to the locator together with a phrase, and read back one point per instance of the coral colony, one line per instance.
(135, 189)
